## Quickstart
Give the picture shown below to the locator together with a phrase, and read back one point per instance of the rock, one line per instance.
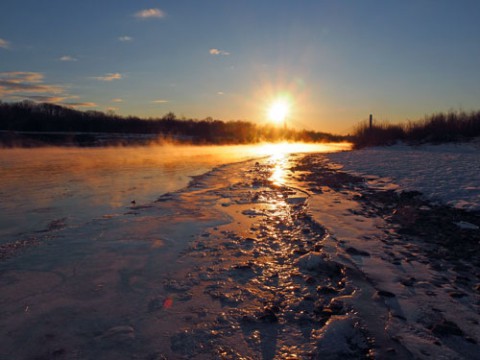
(336, 306)
(326, 290)
(446, 328)
(119, 333)
(340, 339)
(353, 251)
(268, 316)
(408, 282)
(296, 200)
(59, 352)
(314, 261)
(155, 305)
(190, 342)
(156, 356)
(457, 294)
(384, 293)
(253, 213)
(466, 225)
(173, 285)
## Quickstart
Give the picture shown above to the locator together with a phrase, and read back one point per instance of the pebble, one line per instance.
(446, 328)
(353, 251)
(384, 293)
(119, 333)
(315, 261)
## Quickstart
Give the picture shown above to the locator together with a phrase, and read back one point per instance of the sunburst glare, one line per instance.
(279, 111)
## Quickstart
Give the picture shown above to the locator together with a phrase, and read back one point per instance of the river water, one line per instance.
(45, 186)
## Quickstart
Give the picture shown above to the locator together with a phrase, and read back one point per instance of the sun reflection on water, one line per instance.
(278, 155)
(83, 183)
(279, 172)
(279, 150)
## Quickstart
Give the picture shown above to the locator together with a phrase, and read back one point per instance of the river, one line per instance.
(43, 186)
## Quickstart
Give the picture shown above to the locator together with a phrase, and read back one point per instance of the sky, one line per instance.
(334, 61)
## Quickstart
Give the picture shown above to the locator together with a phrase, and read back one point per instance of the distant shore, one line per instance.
(27, 123)
(29, 139)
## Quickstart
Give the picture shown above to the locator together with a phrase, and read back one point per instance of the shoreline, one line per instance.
(445, 173)
(273, 257)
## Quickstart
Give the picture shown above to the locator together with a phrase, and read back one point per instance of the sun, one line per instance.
(278, 111)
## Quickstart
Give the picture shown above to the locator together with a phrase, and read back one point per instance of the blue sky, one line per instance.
(337, 61)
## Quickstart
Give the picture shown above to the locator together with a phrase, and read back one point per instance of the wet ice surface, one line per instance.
(42, 188)
(280, 258)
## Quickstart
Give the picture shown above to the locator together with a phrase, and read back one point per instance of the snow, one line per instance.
(405, 298)
(449, 173)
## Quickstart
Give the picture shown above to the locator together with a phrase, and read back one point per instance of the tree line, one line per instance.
(30, 117)
(439, 127)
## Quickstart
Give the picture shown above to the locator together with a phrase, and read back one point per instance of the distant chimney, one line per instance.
(371, 121)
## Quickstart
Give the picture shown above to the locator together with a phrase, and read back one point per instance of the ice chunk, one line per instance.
(466, 225)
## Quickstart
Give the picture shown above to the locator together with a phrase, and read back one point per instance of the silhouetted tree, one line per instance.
(27, 116)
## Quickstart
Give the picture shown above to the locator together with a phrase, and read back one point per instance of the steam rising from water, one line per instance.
(41, 185)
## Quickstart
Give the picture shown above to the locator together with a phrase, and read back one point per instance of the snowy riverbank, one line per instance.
(449, 173)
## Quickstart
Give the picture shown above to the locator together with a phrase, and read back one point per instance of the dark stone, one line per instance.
(275, 309)
(470, 340)
(354, 251)
(155, 304)
(385, 293)
(409, 281)
(268, 316)
(246, 319)
(446, 328)
(457, 294)
(58, 352)
(336, 307)
(326, 290)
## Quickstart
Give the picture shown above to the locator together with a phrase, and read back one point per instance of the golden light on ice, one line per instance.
(279, 172)
(278, 111)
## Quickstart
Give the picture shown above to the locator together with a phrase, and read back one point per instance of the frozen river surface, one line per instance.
(47, 187)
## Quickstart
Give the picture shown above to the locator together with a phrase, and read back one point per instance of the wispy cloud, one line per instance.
(150, 14)
(218, 52)
(117, 100)
(16, 77)
(86, 104)
(25, 85)
(4, 43)
(160, 101)
(15, 83)
(67, 58)
(220, 93)
(125, 38)
(40, 98)
(109, 77)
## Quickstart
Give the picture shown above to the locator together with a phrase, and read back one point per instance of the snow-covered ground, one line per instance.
(449, 173)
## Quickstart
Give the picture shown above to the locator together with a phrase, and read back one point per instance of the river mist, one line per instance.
(41, 186)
